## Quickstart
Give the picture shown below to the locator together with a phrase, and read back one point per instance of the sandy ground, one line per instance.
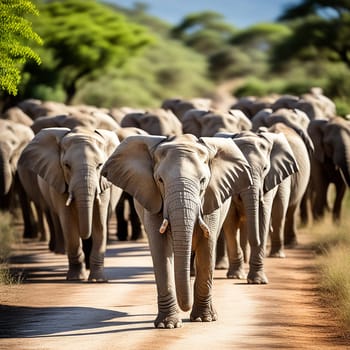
(46, 312)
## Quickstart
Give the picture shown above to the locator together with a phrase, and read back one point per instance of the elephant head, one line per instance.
(155, 122)
(208, 123)
(332, 142)
(70, 161)
(292, 118)
(182, 179)
(13, 138)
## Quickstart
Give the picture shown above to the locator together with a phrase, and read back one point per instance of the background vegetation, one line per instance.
(102, 54)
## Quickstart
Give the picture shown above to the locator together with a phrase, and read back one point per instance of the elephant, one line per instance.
(68, 164)
(180, 106)
(330, 165)
(314, 104)
(208, 123)
(250, 105)
(291, 123)
(154, 122)
(17, 115)
(72, 120)
(13, 138)
(182, 187)
(272, 164)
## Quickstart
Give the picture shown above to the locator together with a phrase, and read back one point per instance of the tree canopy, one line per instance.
(321, 27)
(15, 34)
(81, 37)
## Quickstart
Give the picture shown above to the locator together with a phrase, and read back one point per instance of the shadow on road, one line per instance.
(28, 322)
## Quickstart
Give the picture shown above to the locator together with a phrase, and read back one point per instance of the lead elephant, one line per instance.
(68, 163)
(182, 188)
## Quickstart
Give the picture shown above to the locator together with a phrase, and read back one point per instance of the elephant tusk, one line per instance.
(204, 227)
(69, 200)
(98, 198)
(164, 226)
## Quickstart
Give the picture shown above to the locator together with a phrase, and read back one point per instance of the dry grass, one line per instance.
(7, 239)
(332, 244)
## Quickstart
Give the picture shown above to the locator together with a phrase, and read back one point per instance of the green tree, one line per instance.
(321, 28)
(81, 38)
(15, 32)
(205, 32)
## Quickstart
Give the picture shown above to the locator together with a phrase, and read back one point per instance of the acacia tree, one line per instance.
(320, 28)
(81, 37)
(15, 32)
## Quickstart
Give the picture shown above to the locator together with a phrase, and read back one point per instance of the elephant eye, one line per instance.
(67, 166)
(99, 166)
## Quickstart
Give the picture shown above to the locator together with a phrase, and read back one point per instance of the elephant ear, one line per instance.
(42, 156)
(130, 167)
(230, 172)
(110, 143)
(282, 161)
(316, 131)
(111, 140)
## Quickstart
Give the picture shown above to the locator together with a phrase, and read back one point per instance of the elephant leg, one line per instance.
(122, 224)
(304, 207)
(256, 274)
(136, 227)
(340, 189)
(221, 253)
(29, 220)
(98, 240)
(319, 203)
(278, 220)
(73, 244)
(203, 310)
(290, 229)
(57, 240)
(162, 252)
(234, 250)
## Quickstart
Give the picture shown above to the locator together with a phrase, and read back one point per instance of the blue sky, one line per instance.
(239, 13)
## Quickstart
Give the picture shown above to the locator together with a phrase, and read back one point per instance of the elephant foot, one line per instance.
(221, 264)
(202, 313)
(97, 276)
(236, 273)
(171, 321)
(277, 253)
(257, 277)
(76, 272)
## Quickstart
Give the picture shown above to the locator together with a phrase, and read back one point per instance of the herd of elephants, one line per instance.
(209, 183)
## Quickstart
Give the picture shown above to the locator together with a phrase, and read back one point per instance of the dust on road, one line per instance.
(46, 312)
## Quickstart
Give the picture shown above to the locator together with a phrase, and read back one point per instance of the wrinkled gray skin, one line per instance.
(154, 122)
(69, 164)
(292, 124)
(272, 162)
(13, 138)
(208, 123)
(182, 188)
(330, 164)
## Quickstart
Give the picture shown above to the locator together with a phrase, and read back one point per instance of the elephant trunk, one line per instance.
(84, 195)
(251, 202)
(182, 206)
(6, 173)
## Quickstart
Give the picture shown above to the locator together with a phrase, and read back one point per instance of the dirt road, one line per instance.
(46, 312)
